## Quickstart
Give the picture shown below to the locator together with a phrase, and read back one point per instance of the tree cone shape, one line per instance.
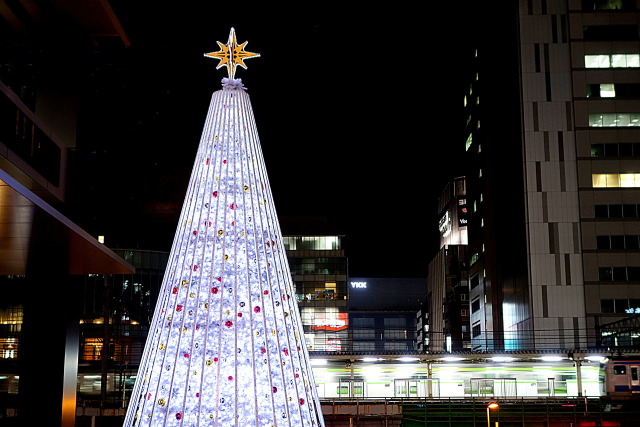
(226, 345)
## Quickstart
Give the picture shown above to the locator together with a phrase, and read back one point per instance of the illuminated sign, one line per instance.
(445, 224)
(334, 344)
(359, 285)
(462, 212)
(338, 323)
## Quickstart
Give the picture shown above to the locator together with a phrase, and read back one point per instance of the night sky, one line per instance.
(358, 114)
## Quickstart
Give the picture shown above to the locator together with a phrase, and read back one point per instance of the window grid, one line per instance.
(622, 149)
(618, 274)
(616, 60)
(615, 180)
(617, 211)
(624, 242)
(614, 119)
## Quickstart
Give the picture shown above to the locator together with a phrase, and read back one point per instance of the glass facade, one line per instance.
(319, 269)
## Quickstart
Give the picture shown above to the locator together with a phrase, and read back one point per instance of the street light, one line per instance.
(491, 405)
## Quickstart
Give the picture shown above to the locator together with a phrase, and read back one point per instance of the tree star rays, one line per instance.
(231, 54)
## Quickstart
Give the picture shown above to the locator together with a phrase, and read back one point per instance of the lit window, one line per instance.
(8, 348)
(627, 180)
(615, 180)
(468, 142)
(614, 120)
(596, 61)
(607, 90)
(620, 60)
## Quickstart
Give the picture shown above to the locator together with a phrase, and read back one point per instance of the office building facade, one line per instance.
(318, 264)
(382, 313)
(444, 324)
(551, 187)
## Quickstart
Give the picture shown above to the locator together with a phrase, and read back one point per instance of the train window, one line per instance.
(619, 370)
(634, 374)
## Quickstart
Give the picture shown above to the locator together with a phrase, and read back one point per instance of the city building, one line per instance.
(318, 263)
(552, 118)
(445, 318)
(382, 313)
(115, 315)
(45, 253)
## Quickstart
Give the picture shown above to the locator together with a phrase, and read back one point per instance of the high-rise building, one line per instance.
(553, 125)
(445, 318)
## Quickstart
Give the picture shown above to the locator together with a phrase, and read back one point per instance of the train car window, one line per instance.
(634, 374)
(619, 370)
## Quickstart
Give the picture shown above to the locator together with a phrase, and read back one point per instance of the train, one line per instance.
(450, 378)
(550, 377)
(622, 378)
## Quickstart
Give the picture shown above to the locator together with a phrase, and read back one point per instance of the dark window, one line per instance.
(28, 141)
(610, 32)
(628, 90)
(602, 211)
(629, 211)
(475, 281)
(606, 306)
(611, 150)
(605, 274)
(615, 211)
(603, 242)
(621, 305)
(619, 274)
(633, 273)
(475, 305)
(608, 4)
(593, 91)
(617, 242)
(625, 149)
(631, 242)
(597, 150)
(619, 370)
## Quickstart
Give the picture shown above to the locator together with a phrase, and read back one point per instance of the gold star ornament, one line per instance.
(231, 54)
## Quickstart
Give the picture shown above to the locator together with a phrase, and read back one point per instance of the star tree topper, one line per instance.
(231, 54)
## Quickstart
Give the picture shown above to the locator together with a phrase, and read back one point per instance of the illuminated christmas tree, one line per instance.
(226, 344)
